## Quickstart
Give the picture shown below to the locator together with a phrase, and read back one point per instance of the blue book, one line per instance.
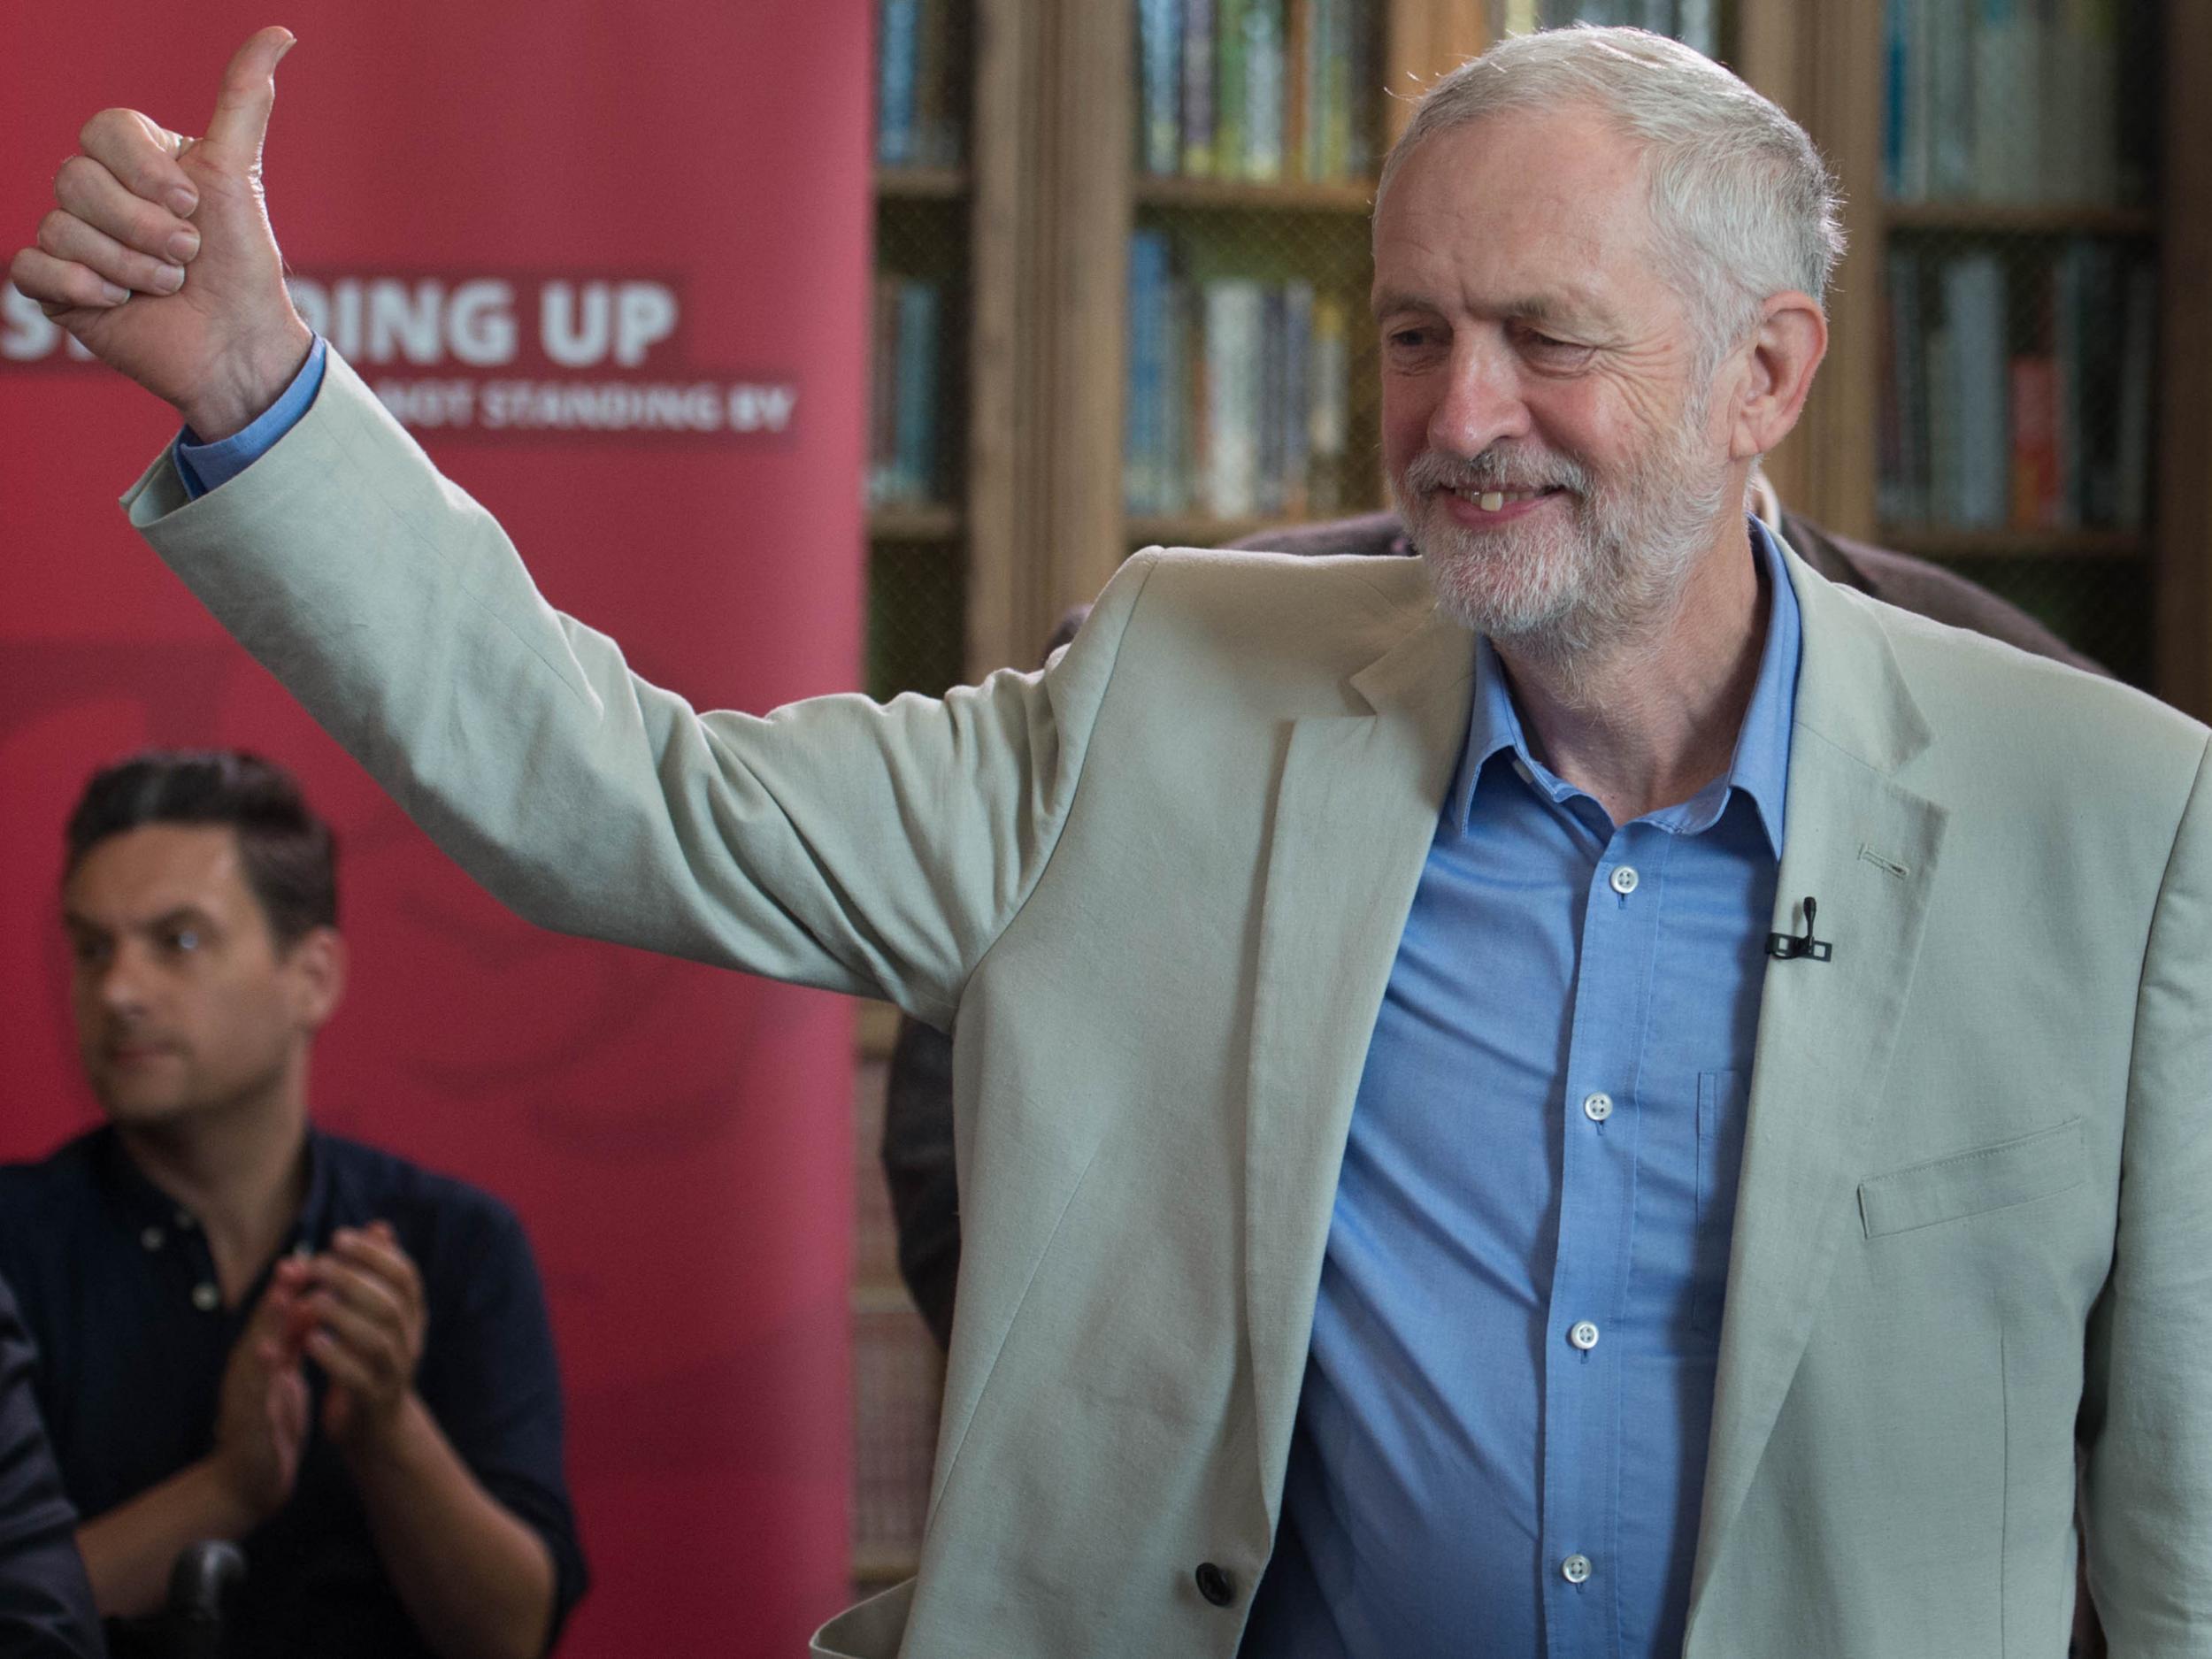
(915, 424)
(1160, 68)
(898, 58)
(1145, 408)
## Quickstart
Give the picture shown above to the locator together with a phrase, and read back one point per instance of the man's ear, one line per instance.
(1777, 373)
(316, 965)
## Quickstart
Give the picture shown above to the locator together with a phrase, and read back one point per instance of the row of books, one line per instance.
(2015, 101)
(1260, 90)
(2018, 394)
(1695, 23)
(916, 124)
(1238, 393)
(905, 444)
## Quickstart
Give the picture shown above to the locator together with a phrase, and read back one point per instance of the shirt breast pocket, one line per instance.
(1972, 1183)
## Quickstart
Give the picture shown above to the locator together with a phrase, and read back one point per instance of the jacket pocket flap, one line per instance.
(1968, 1183)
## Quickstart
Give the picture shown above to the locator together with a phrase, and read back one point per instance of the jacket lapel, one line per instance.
(1866, 848)
(1353, 815)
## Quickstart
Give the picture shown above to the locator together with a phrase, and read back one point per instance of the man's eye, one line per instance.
(183, 939)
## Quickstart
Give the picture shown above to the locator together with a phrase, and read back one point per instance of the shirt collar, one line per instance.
(141, 1203)
(1759, 768)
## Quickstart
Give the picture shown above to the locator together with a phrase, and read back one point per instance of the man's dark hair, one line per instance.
(289, 856)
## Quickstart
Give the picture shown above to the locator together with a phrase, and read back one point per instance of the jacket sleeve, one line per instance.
(834, 842)
(2147, 1408)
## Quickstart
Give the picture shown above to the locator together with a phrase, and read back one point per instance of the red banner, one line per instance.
(612, 266)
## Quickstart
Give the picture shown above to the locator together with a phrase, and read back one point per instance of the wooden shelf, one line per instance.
(1955, 542)
(1354, 196)
(1194, 530)
(931, 522)
(2027, 218)
(921, 184)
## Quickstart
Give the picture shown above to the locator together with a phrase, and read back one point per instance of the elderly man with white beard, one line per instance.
(1589, 1094)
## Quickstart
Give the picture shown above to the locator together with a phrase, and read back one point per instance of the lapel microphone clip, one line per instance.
(1792, 947)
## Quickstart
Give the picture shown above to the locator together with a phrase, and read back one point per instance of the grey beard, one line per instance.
(1616, 572)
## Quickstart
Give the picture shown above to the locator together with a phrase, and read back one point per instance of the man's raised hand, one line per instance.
(160, 258)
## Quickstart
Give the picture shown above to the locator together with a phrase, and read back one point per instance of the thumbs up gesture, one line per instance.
(160, 258)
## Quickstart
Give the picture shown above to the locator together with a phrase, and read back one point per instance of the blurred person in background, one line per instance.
(252, 1330)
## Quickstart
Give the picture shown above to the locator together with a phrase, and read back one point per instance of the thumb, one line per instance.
(241, 107)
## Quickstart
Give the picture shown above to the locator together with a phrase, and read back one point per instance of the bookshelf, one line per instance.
(2019, 305)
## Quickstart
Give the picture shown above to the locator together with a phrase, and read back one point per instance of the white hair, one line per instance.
(1743, 204)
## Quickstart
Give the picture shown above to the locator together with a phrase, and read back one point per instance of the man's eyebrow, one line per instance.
(187, 915)
(1539, 309)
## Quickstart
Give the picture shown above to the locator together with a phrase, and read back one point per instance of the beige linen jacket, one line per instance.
(1160, 886)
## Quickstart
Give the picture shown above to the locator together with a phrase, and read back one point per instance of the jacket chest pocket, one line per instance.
(1970, 1183)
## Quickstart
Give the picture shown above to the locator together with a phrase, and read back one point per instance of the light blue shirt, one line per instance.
(1500, 1447)
(206, 466)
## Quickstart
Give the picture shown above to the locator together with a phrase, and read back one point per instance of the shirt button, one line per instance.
(1217, 1586)
(151, 1238)
(206, 1298)
(1624, 879)
(1575, 1569)
(1597, 1107)
(1584, 1336)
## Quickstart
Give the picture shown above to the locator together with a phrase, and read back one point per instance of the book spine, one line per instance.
(1950, 99)
(916, 444)
(1328, 403)
(1229, 88)
(936, 140)
(1234, 309)
(2138, 388)
(1294, 407)
(1297, 65)
(896, 65)
(1145, 404)
(2066, 354)
(883, 447)
(1159, 54)
(1700, 27)
(1178, 435)
(1198, 88)
(1974, 297)
(1264, 81)
(2035, 481)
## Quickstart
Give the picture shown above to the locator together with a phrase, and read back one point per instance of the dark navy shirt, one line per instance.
(118, 1289)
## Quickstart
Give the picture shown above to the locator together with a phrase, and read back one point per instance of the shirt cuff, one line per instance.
(206, 466)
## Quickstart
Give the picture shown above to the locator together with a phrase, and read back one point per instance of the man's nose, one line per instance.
(119, 982)
(1482, 399)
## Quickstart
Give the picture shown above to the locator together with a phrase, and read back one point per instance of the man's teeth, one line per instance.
(1496, 499)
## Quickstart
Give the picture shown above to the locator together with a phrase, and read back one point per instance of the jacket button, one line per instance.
(1215, 1585)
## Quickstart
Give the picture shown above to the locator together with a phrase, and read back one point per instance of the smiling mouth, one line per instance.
(1499, 500)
